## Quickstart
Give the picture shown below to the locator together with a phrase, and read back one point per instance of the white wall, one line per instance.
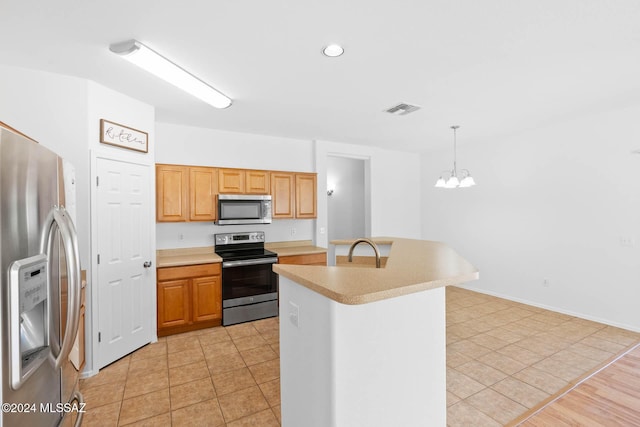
(346, 206)
(394, 189)
(550, 203)
(51, 109)
(199, 234)
(104, 103)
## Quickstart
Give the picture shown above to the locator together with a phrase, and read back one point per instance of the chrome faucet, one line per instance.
(370, 243)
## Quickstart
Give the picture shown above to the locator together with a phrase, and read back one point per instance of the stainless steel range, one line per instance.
(249, 285)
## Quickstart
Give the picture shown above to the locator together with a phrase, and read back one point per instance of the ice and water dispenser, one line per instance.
(29, 324)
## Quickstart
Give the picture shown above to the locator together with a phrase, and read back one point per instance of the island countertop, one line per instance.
(412, 266)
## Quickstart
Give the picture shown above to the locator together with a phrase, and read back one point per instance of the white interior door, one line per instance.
(125, 285)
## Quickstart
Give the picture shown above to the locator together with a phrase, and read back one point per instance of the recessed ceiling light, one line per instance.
(333, 50)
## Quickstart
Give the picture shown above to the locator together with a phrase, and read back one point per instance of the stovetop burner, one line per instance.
(245, 254)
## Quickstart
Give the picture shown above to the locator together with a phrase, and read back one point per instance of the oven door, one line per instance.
(248, 282)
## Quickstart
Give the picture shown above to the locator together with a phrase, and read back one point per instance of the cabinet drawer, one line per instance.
(308, 259)
(199, 270)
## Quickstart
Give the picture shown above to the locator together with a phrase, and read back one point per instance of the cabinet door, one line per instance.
(207, 298)
(306, 195)
(173, 303)
(282, 194)
(256, 182)
(172, 193)
(307, 259)
(231, 181)
(203, 187)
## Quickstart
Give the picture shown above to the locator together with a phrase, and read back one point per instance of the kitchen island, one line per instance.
(361, 346)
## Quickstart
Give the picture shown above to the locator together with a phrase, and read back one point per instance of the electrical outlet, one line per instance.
(293, 313)
(322, 230)
(181, 237)
(293, 231)
(627, 241)
(546, 282)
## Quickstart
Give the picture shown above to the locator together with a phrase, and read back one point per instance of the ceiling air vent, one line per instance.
(402, 109)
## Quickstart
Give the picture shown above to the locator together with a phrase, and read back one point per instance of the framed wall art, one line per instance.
(123, 136)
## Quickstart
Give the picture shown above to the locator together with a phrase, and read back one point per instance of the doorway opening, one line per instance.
(348, 197)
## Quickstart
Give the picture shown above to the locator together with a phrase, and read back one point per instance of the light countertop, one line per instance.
(207, 255)
(298, 247)
(186, 256)
(412, 266)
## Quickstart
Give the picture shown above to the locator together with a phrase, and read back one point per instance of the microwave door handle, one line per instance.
(60, 218)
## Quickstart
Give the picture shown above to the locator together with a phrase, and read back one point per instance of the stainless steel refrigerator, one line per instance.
(40, 288)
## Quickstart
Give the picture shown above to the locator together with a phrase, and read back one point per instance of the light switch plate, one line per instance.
(293, 313)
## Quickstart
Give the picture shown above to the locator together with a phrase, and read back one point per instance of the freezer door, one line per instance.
(28, 191)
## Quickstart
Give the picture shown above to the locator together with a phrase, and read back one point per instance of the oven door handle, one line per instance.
(241, 263)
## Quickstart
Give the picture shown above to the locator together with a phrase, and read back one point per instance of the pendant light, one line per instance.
(452, 179)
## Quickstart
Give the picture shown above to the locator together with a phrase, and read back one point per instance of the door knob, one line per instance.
(147, 264)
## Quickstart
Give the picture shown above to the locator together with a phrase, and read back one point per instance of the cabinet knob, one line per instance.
(147, 264)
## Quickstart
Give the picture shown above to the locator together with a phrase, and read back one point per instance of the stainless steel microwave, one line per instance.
(243, 209)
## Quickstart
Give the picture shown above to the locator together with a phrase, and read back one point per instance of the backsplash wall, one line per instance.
(173, 235)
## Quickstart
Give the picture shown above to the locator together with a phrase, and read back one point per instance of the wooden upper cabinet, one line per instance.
(172, 193)
(231, 181)
(282, 194)
(203, 187)
(256, 182)
(188, 193)
(306, 195)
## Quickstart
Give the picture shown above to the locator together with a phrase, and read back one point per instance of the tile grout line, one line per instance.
(567, 346)
(572, 386)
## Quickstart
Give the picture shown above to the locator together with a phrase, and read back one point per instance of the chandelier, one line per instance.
(451, 179)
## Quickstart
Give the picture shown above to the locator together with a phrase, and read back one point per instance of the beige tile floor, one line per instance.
(503, 358)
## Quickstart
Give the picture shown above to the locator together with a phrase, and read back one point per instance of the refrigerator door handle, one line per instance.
(60, 217)
(79, 398)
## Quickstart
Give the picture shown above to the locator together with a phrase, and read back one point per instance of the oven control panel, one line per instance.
(236, 238)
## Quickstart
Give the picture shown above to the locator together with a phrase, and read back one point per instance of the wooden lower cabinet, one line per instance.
(207, 301)
(307, 259)
(189, 298)
(173, 303)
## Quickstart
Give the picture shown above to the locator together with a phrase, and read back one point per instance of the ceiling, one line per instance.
(495, 67)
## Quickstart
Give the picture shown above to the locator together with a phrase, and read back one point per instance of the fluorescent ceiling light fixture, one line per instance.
(151, 61)
(333, 50)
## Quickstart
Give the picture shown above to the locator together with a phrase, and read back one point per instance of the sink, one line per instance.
(360, 261)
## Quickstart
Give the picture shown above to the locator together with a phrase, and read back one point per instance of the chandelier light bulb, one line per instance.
(467, 182)
(452, 182)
